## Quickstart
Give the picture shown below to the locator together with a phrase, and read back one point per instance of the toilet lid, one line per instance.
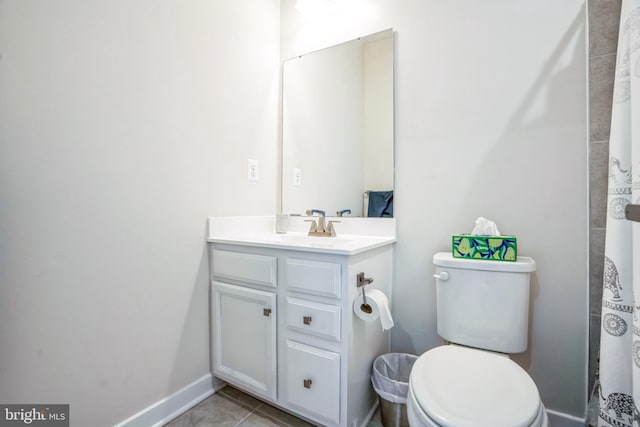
(463, 387)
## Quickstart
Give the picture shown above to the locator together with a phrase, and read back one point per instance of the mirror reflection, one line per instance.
(337, 131)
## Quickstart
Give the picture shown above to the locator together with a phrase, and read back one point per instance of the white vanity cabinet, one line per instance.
(284, 330)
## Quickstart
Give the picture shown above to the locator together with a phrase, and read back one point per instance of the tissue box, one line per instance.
(493, 248)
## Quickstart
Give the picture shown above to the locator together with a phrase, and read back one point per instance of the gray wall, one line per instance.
(604, 20)
(490, 120)
(123, 126)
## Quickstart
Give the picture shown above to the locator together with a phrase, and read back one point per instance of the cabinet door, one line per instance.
(244, 344)
(313, 381)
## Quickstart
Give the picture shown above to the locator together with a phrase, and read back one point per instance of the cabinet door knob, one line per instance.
(307, 383)
(266, 312)
(306, 320)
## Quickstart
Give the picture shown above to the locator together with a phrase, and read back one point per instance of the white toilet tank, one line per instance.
(483, 304)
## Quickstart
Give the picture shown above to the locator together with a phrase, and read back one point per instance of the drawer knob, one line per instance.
(307, 383)
(266, 312)
(306, 320)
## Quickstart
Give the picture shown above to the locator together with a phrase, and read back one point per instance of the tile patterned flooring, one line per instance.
(231, 407)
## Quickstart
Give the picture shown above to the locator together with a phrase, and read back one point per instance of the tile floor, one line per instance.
(231, 407)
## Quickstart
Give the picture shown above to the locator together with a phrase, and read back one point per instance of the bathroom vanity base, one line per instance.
(283, 328)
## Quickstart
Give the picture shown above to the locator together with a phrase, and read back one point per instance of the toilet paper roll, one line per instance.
(379, 308)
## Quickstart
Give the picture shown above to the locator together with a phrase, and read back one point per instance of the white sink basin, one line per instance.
(258, 231)
(345, 245)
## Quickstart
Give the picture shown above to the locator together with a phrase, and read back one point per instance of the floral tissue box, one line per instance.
(493, 248)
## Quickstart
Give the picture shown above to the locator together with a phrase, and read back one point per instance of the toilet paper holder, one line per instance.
(362, 282)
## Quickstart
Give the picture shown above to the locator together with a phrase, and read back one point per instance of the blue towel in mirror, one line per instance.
(380, 204)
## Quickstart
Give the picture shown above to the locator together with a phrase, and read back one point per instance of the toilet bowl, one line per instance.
(455, 386)
(482, 310)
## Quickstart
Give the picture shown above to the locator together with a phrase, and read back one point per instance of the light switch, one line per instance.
(252, 170)
(297, 176)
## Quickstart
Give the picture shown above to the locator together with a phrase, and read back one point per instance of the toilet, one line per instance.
(483, 312)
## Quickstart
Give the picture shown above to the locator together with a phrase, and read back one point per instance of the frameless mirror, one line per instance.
(337, 130)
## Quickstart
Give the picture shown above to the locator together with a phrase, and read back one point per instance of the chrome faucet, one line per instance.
(319, 229)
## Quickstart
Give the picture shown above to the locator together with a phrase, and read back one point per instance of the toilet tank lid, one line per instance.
(523, 264)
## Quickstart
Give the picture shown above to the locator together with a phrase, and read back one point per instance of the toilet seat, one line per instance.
(453, 386)
(417, 417)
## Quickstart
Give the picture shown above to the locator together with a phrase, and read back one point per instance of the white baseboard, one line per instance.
(558, 419)
(186, 398)
(370, 415)
(170, 407)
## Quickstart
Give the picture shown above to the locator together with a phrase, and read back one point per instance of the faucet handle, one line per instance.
(314, 226)
(330, 229)
(315, 211)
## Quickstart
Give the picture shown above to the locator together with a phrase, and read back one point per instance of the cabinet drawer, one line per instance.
(314, 318)
(313, 277)
(258, 269)
(313, 381)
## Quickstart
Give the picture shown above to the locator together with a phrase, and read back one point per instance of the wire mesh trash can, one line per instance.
(390, 379)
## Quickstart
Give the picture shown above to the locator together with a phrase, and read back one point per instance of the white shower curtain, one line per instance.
(619, 391)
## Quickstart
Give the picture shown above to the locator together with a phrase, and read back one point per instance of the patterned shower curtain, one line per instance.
(619, 390)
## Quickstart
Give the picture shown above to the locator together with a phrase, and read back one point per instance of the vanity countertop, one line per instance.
(354, 235)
